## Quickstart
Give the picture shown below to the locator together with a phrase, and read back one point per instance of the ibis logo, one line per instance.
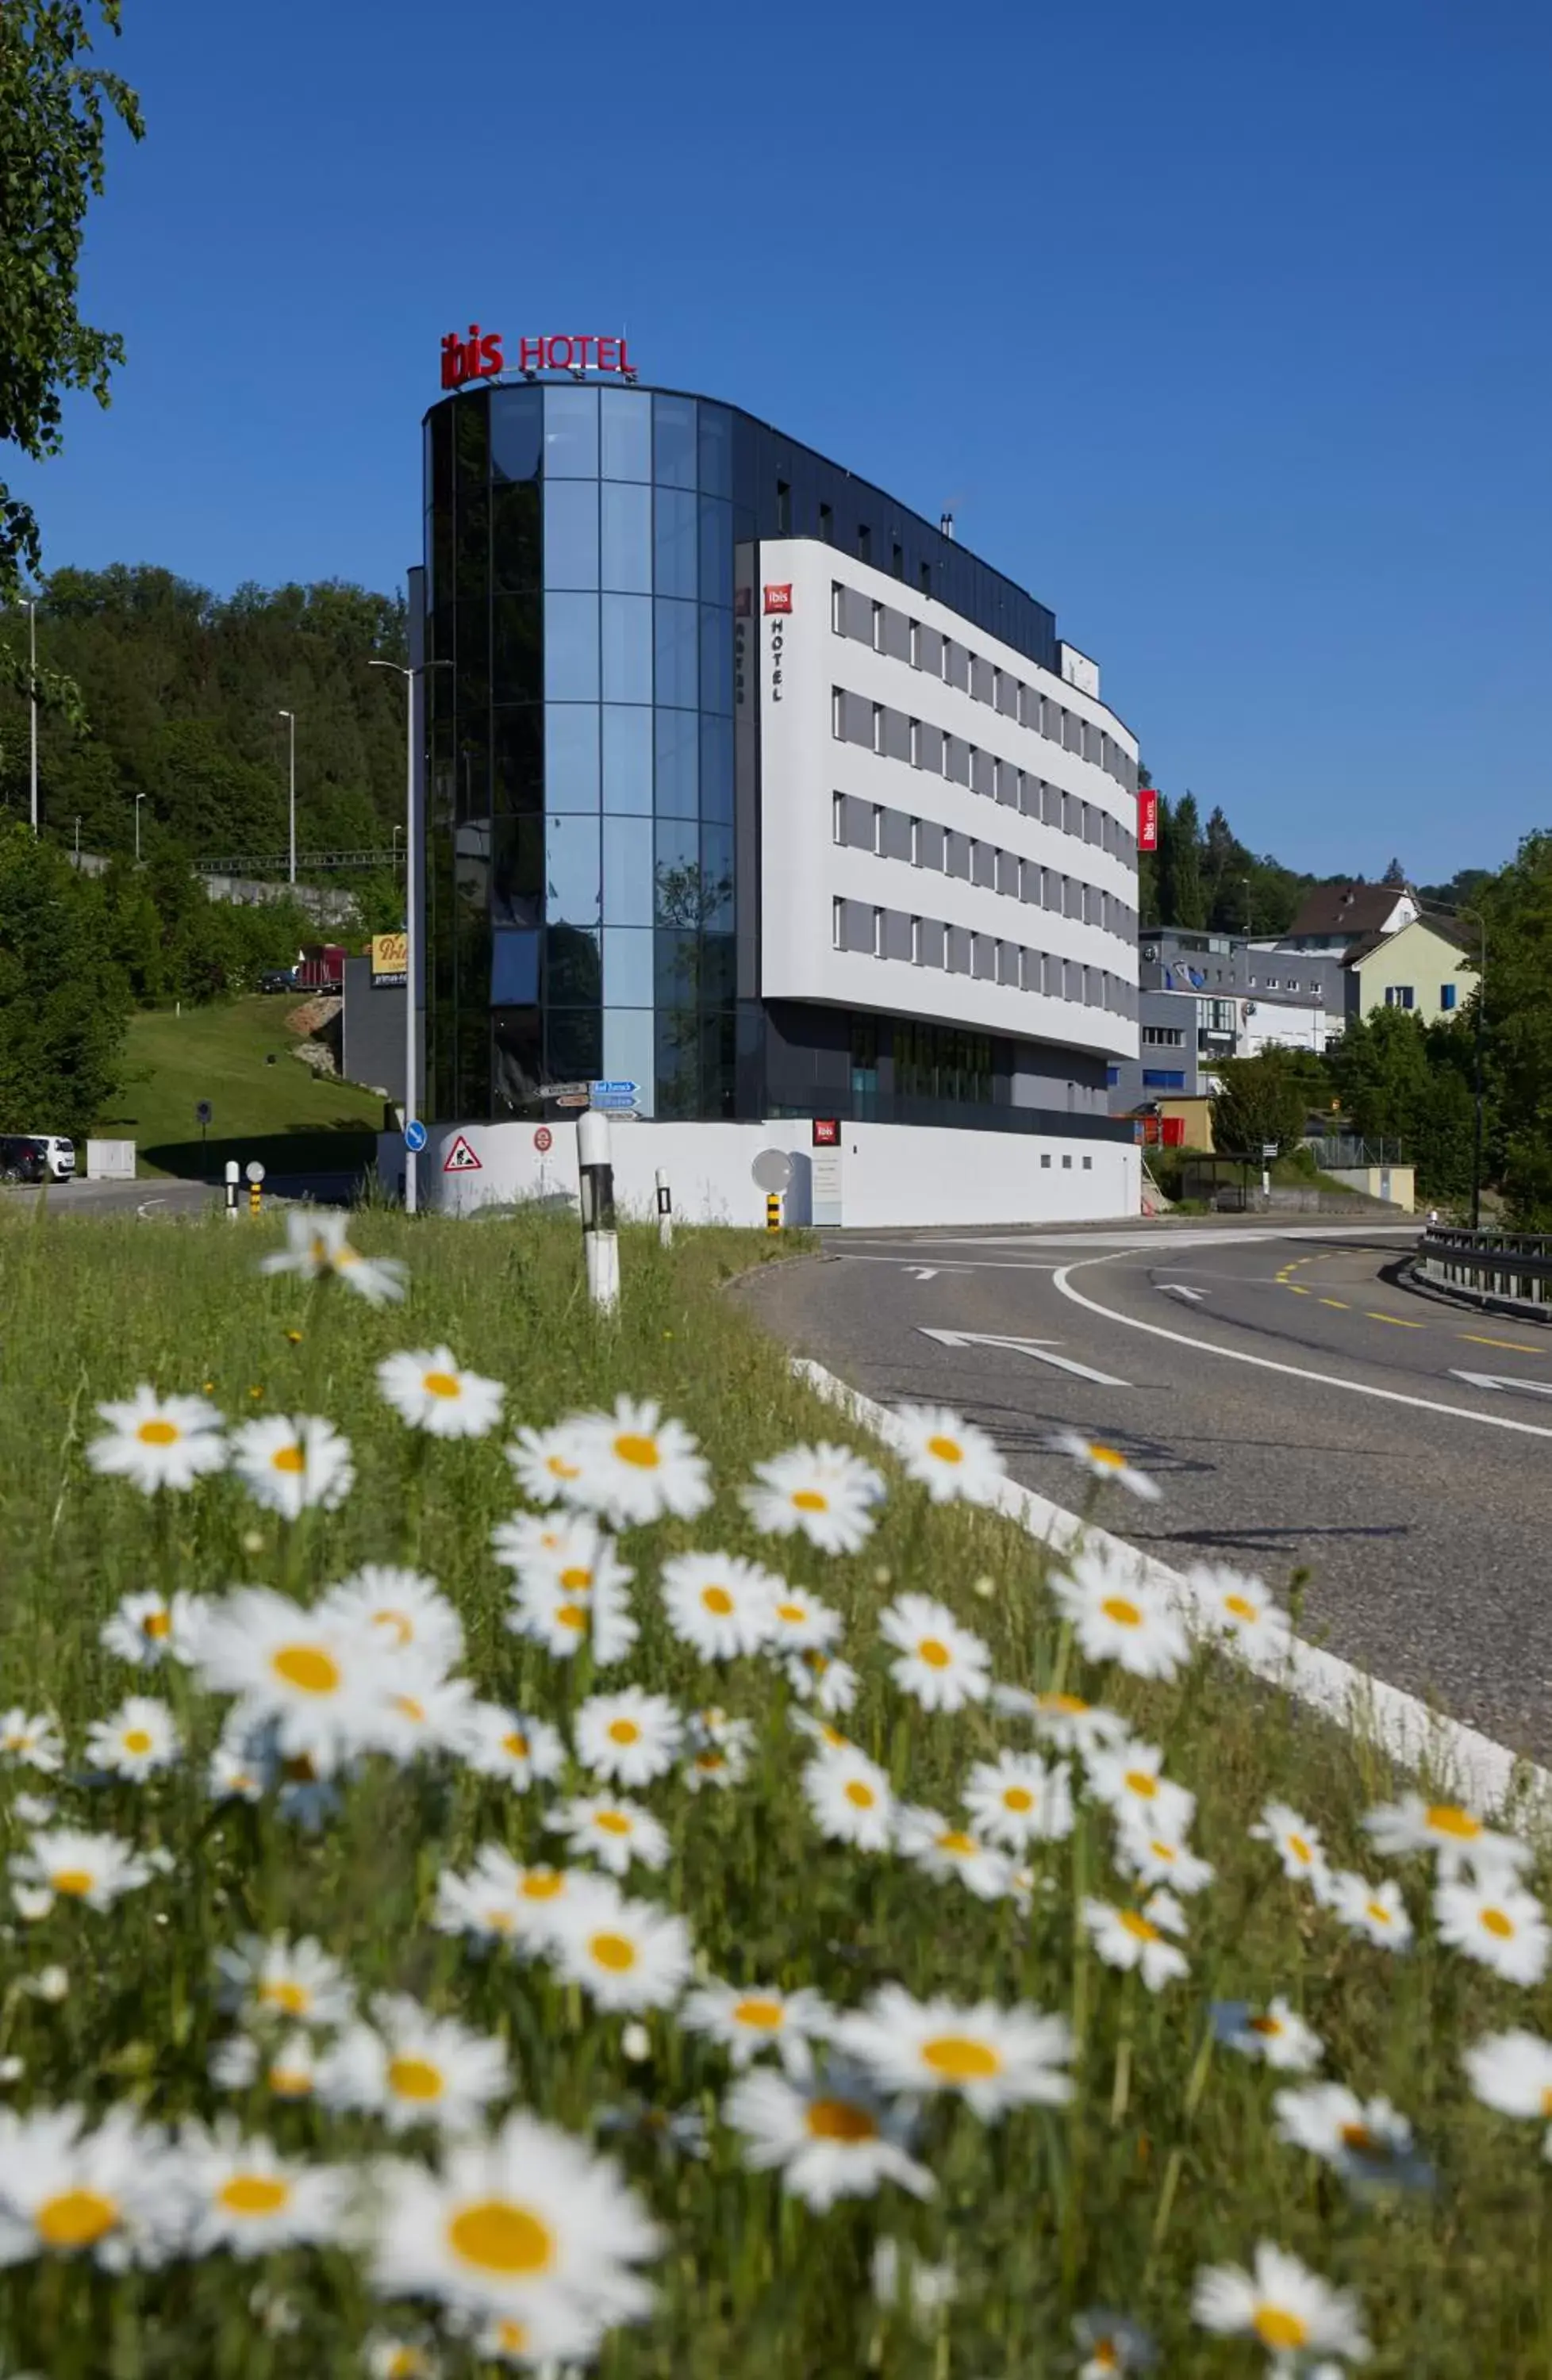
(778, 599)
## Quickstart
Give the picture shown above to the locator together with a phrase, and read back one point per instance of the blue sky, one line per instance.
(1223, 328)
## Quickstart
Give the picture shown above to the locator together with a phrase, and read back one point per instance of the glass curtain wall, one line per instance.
(580, 861)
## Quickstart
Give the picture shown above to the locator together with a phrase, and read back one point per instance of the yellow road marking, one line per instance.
(1516, 1347)
(1297, 1291)
(1341, 1302)
(1399, 1321)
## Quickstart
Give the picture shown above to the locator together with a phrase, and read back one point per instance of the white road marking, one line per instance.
(923, 1272)
(144, 1210)
(1061, 1282)
(913, 1264)
(1039, 1349)
(1179, 1289)
(1486, 1775)
(1499, 1380)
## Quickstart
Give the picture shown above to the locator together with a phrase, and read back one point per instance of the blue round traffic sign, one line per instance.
(414, 1135)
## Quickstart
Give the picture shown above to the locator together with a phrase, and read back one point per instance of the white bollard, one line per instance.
(600, 1248)
(232, 1179)
(665, 1211)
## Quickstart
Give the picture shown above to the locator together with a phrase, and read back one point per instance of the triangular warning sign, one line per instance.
(461, 1158)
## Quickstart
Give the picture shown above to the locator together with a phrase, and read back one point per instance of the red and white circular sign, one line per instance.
(543, 1138)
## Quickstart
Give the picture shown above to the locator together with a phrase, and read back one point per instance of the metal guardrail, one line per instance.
(1501, 1267)
(277, 863)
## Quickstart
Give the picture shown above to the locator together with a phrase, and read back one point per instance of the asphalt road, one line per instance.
(154, 1199)
(1298, 1407)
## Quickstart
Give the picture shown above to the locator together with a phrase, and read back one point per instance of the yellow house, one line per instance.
(1424, 968)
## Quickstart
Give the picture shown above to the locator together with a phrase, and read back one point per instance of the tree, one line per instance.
(1260, 1100)
(1185, 850)
(63, 1003)
(55, 109)
(1396, 874)
(1379, 1070)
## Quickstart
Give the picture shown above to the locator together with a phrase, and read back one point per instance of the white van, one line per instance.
(59, 1156)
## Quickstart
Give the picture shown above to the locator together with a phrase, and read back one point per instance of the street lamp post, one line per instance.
(1440, 908)
(398, 831)
(138, 799)
(292, 717)
(409, 675)
(32, 704)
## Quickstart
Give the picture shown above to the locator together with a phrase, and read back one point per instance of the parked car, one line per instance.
(36, 1156)
(278, 980)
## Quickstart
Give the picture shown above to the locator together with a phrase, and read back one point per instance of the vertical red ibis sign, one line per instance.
(1148, 818)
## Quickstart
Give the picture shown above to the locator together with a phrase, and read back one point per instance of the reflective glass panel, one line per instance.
(678, 788)
(716, 451)
(717, 973)
(515, 649)
(677, 967)
(626, 420)
(571, 647)
(515, 1062)
(471, 557)
(571, 756)
(571, 870)
(716, 658)
(515, 515)
(627, 758)
(629, 1035)
(517, 872)
(571, 533)
(716, 551)
(439, 428)
(627, 649)
(471, 442)
(627, 872)
(515, 968)
(626, 558)
(677, 677)
(627, 967)
(675, 533)
(678, 1060)
(472, 681)
(516, 421)
(574, 1045)
(471, 783)
(677, 870)
(717, 1041)
(716, 769)
(573, 974)
(517, 759)
(673, 455)
(570, 436)
(715, 876)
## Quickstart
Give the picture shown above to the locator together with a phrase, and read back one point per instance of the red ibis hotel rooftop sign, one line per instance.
(480, 357)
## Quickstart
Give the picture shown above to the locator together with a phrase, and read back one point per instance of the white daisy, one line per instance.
(288, 2069)
(160, 1441)
(718, 1756)
(1239, 1606)
(554, 2341)
(32, 1740)
(943, 1665)
(1283, 2306)
(290, 1465)
(614, 1830)
(547, 1463)
(748, 2021)
(993, 2058)
(1104, 1463)
(719, 1605)
(1458, 1838)
(430, 1392)
(317, 1247)
(1069, 1722)
(536, 1541)
(942, 1851)
(629, 1737)
(825, 1492)
(508, 1745)
(820, 1731)
(581, 1598)
(62, 1864)
(524, 2223)
(1128, 1778)
(909, 2285)
(1152, 1858)
(1512, 2072)
(801, 1624)
(1376, 1910)
(394, 2355)
(404, 1611)
(1496, 1922)
(410, 2067)
(1019, 1798)
(69, 2190)
(1116, 1618)
(500, 1900)
(817, 1677)
(1111, 2345)
(35, 1809)
(421, 1713)
(850, 1800)
(138, 1740)
(637, 1467)
(318, 1680)
(831, 2135)
(948, 1456)
(146, 1628)
(1366, 2141)
(1275, 2034)
(1297, 1844)
(1137, 1938)
(294, 1980)
(625, 1954)
(240, 2196)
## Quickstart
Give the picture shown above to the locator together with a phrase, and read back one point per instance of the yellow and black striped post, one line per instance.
(254, 1193)
(773, 1210)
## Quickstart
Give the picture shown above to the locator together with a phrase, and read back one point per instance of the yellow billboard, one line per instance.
(390, 959)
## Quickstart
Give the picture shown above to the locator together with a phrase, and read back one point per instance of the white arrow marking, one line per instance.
(923, 1272)
(1037, 1348)
(1494, 1380)
(1179, 1289)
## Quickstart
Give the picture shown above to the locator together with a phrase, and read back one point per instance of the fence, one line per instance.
(1339, 1152)
(1501, 1267)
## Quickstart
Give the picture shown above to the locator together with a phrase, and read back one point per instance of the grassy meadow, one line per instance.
(1054, 2237)
(278, 1112)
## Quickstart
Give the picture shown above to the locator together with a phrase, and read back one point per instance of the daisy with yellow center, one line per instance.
(1106, 1462)
(992, 2058)
(831, 2135)
(627, 1955)
(1297, 1844)
(943, 1851)
(64, 1864)
(850, 1799)
(1365, 2140)
(1276, 2035)
(317, 1247)
(1119, 1615)
(629, 1736)
(30, 1740)
(1137, 1939)
(291, 1466)
(160, 1441)
(318, 1681)
(1496, 1923)
(245, 2199)
(720, 1605)
(1375, 1910)
(1019, 1798)
(1512, 2072)
(136, 1742)
(1282, 2306)
(947, 1455)
(146, 1629)
(612, 1830)
(939, 1664)
(101, 2193)
(411, 2068)
(1457, 1838)
(296, 1980)
(824, 1493)
(428, 1390)
(635, 1465)
(747, 2020)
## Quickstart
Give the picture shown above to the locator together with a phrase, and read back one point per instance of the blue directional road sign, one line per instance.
(414, 1135)
(614, 1095)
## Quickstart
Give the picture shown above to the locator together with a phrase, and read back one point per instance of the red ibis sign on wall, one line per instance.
(1148, 818)
(480, 356)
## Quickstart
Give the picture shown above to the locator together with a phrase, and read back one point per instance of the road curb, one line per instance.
(1502, 1309)
(1486, 1776)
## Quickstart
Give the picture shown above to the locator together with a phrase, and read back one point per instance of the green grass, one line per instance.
(1167, 2159)
(278, 1114)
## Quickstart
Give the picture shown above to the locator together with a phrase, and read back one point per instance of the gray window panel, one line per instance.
(930, 842)
(1032, 883)
(1093, 988)
(1008, 692)
(676, 849)
(959, 667)
(716, 877)
(1094, 826)
(1055, 891)
(929, 650)
(676, 637)
(1029, 709)
(1009, 781)
(956, 761)
(983, 774)
(626, 433)
(674, 442)
(628, 1054)
(716, 658)
(627, 967)
(930, 748)
(716, 551)
(716, 769)
(983, 956)
(716, 451)
(571, 646)
(516, 433)
(982, 863)
(571, 533)
(895, 835)
(857, 824)
(1092, 742)
(1072, 732)
(514, 969)
(1007, 873)
(571, 433)
(930, 941)
(627, 872)
(571, 756)
(1072, 903)
(676, 543)
(1008, 963)
(897, 935)
(980, 679)
(1072, 975)
(571, 871)
(857, 926)
(1051, 806)
(1129, 774)
(859, 720)
(897, 736)
(957, 941)
(625, 546)
(1031, 966)
(1031, 792)
(858, 613)
(627, 760)
(626, 637)
(678, 763)
(1068, 813)
(957, 859)
(897, 635)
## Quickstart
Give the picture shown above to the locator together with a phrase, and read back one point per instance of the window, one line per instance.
(1164, 1037)
(838, 925)
(1446, 995)
(827, 523)
(1401, 995)
(837, 609)
(1088, 1165)
(1163, 1078)
(877, 727)
(914, 644)
(897, 559)
(838, 816)
(927, 577)
(865, 543)
(783, 508)
(837, 714)
(914, 733)
(878, 628)
(1112, 1076)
